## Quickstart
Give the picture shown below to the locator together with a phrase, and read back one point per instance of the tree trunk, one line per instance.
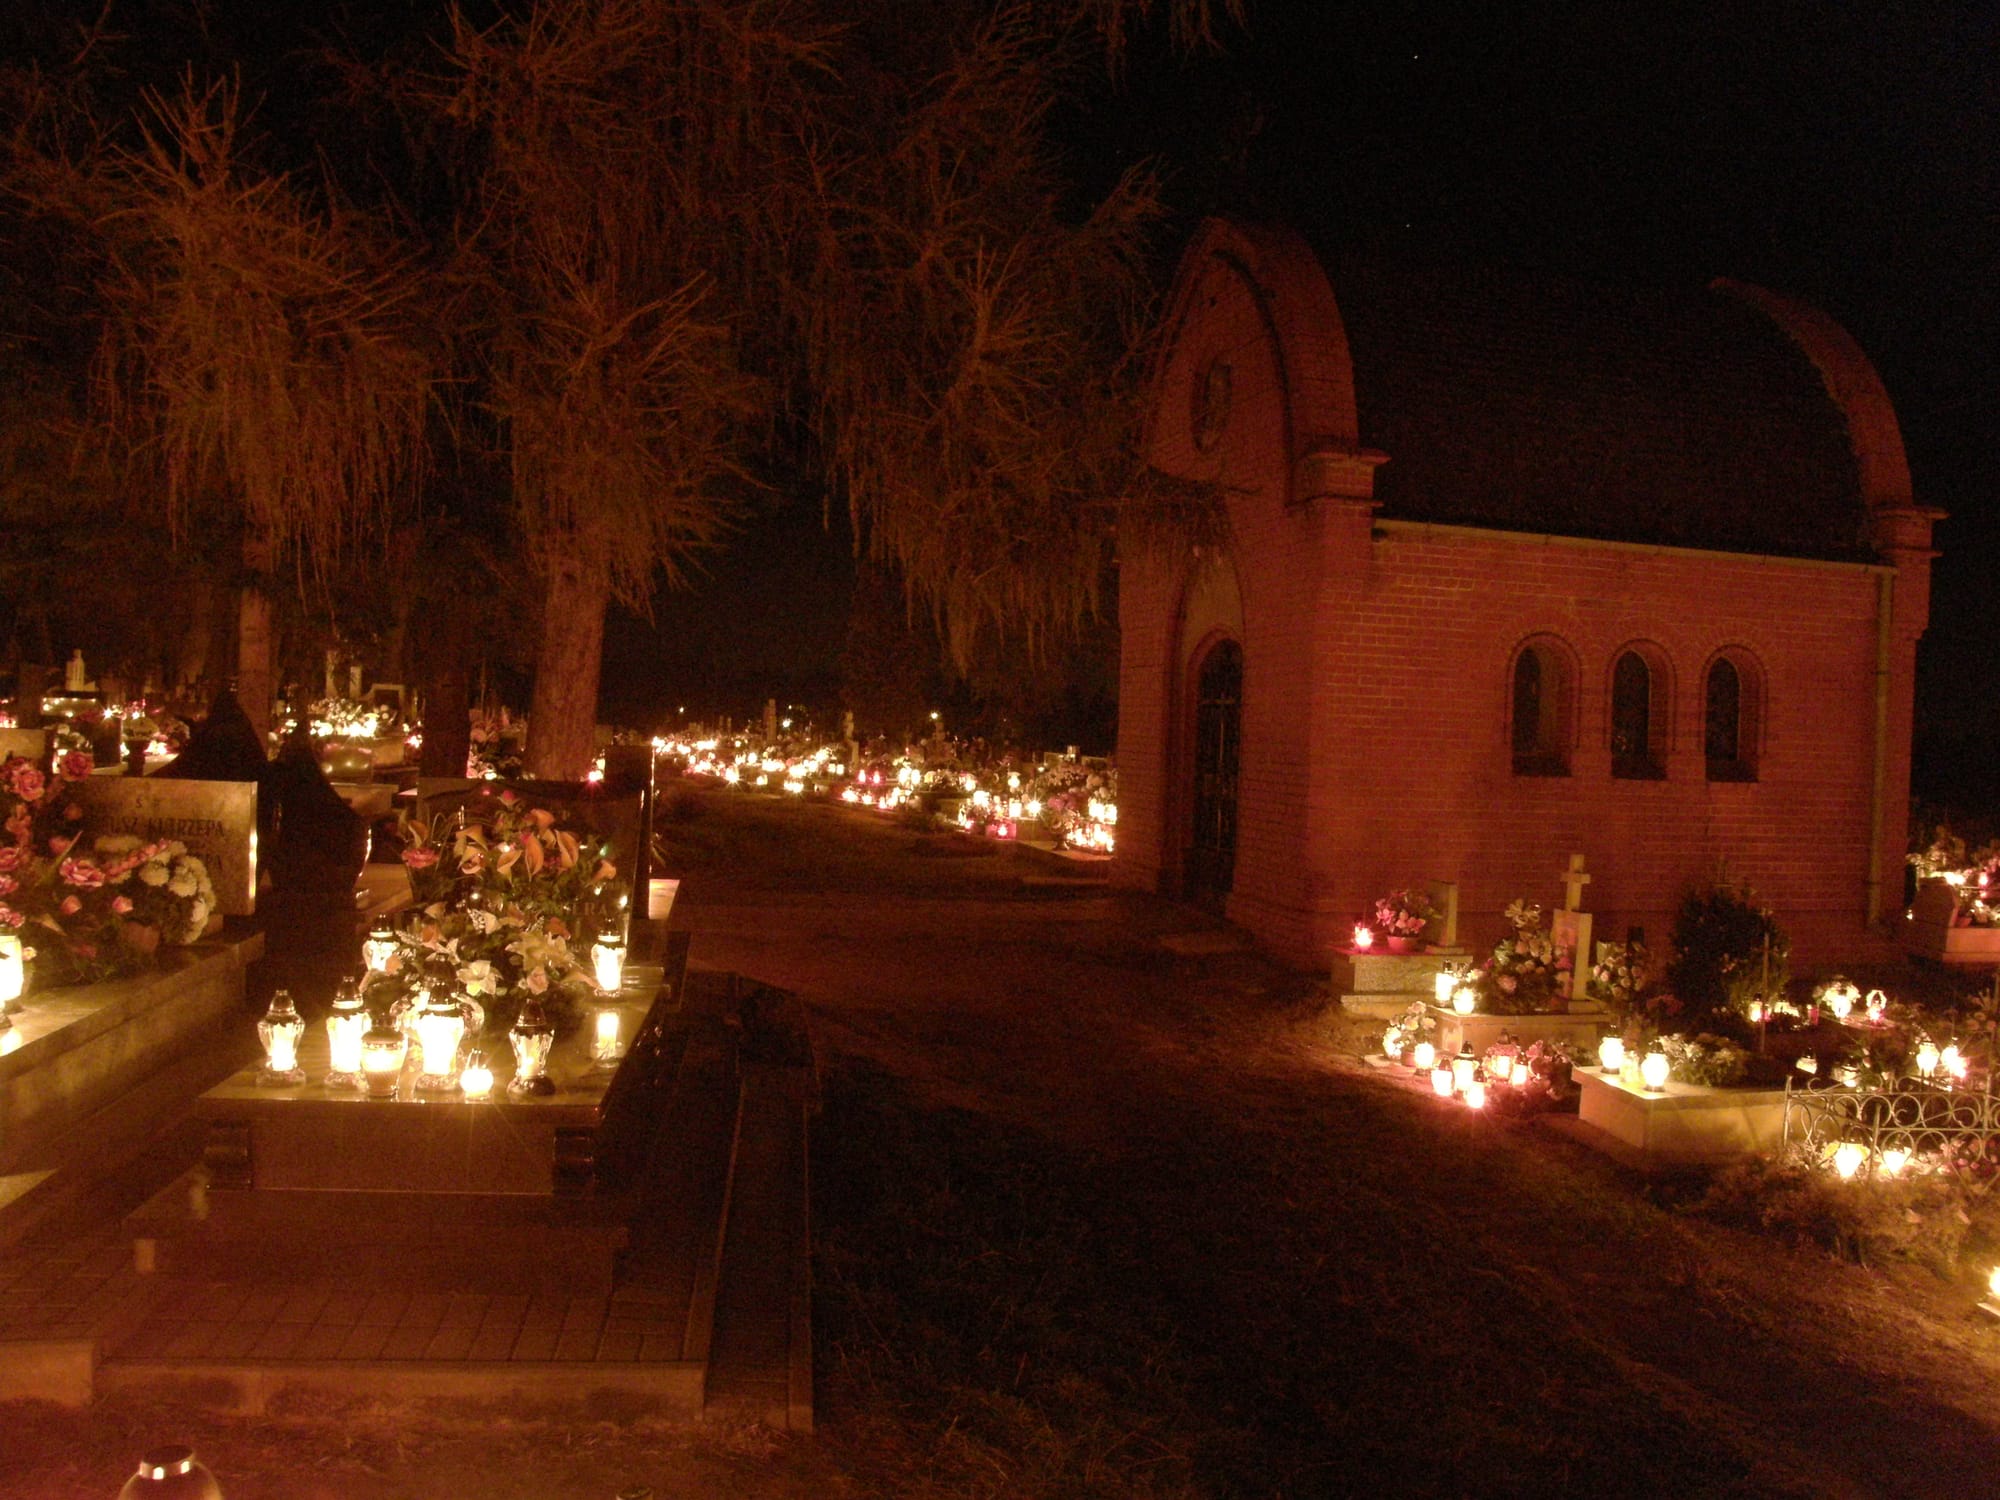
(562, 719)
(256, 670)
(446, 678)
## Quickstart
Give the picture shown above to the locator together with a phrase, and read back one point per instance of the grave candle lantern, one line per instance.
(280, 1031)
(1927, 1059)
(1441, 1084)
(1654, 1071)
(1465, 999)
(1463, 1067)
(1475, 1090)
(346, 1024)
(1840, 998)
(13, 971)
(378, 947)
(476, 1081)
(1424, 1058)
(531, 1037)
(1894, 1159)
(607, 1049)
(1954, 1062)
(171, 1473)
(608, 960)
(440, 1028)
(1611, 1055)
(1443, 983)
(1848, 1157)
(382, 1052)
(1364, 938)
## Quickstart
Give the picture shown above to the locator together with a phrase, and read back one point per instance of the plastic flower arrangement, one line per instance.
(88, 910)
(1414, 1025)
(507, 904)
(1522, 975)
(1404, 913)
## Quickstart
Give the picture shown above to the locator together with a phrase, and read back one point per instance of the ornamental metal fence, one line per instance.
(1884, 1131)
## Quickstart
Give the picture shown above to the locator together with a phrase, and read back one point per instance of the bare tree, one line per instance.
(254, 367)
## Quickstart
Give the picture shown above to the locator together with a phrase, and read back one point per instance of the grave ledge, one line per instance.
(1686, 1125)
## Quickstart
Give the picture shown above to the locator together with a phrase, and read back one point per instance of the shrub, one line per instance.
(1718, 962)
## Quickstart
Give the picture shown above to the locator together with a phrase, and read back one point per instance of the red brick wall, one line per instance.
(1376, 693)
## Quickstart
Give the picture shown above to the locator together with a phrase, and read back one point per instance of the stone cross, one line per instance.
(1574, 880)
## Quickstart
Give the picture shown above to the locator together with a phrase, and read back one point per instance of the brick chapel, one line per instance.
(1518, 567)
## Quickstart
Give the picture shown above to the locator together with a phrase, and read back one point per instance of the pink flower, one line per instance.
(70, 906)
(28, 783)
(10, 918)
(82, 873)
(10, 857)
(121, 904)
(7, 884)
(74, 765)
(420, 858)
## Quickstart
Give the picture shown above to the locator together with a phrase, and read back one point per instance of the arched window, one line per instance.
(1639, 711)
(1540, 709)
(1731, 702)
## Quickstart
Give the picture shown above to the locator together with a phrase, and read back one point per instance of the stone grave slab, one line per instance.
(72, 1051)
(217, 820)
(1384, 985)
(1578, 1027)
(1687, 1124)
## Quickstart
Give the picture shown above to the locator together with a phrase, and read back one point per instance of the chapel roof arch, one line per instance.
(1308, 339)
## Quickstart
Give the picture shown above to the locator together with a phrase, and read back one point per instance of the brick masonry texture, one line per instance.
(1377, 670)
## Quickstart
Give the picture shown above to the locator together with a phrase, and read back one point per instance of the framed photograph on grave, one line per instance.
(1569, 931)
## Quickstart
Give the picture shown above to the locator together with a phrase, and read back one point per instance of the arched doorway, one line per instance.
(1218, 731)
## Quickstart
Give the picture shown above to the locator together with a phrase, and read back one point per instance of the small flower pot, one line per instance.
(1399, 944)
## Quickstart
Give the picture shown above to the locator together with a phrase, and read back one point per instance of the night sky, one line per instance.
(1842, 154)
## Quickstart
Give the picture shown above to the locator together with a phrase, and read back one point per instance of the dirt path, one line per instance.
(1095, 1220)
(1121, 1222)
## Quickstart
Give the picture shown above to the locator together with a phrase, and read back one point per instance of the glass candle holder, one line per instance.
(171, 1473)
(346, 1024)
(378, 947)
(607, 958)
(1654, 1070)
(280, 1031)
(440, 1028)
(531, 1037)
(608, 1045)
(475, 1081)
(13, 971)
(383, 1049)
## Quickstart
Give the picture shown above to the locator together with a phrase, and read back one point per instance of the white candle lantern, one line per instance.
(1465, 999)
(607, 959)
(1364, 938)
(1848, 1157)
(1611, 1055)
(280, 1031)
(383, 1049)
(1877, 1005)
(379, 947)
(1441, 1084)
(1424, 1058)
(1463, 1067)
(1654, 1070)
(13, 971)
(1894, 1159)
(531, 1037)
(1927, 1059)
(476, 1081)
(1443, 983)
(1840, 999)
(346, 1024)
(440, 1028)
(607, 1048)
(1954, 1061)
(1500, 1067)
(1475, 1091)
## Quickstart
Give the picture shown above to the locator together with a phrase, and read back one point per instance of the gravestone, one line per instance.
(32, 744)
(217, 820)
(1569, 928)
(1442, 931)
